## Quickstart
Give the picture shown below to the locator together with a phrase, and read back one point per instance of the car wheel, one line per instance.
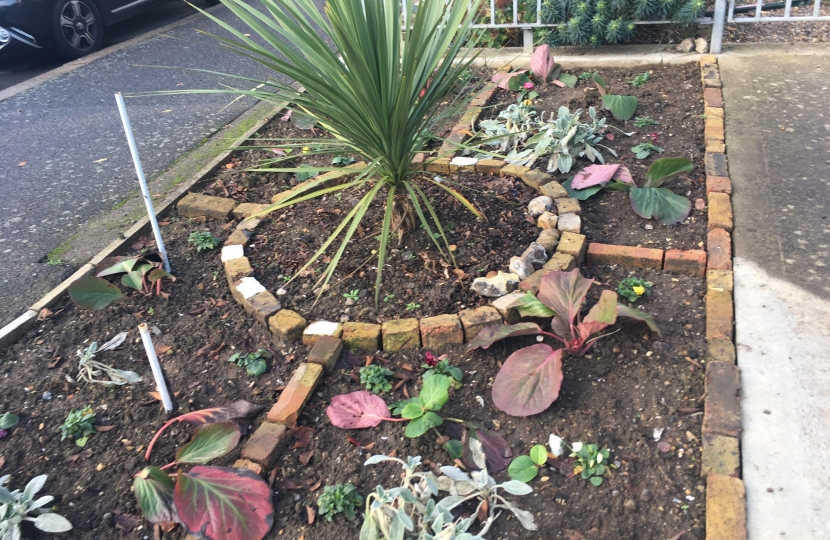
(77, 28)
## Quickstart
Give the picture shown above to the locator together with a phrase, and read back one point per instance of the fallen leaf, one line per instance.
(100, 160)
(157, 532)
(44, 314)
(164, 223)
(571, 534)
(482, 511)
(167, 111)
(306, 457)
(461, 274)
(162, 349)
(311, 514)
(80, 456)
(103, 429)
(370, 446)
(688, 410)
(22, 164)
(168, 526)
(315, 487)
(664, 447)
(354, 441)
(208, 349)
(229, 165)
(288, 484)
(124, 521)
(155, 395)
(393, 453)
(194, 384)
(2, 461)
(55, 361)
(302, 436)
(677, 536)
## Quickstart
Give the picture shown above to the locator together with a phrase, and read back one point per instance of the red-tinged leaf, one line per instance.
(542, 63)
(594, 175)
(353, 441)
(625, 311)
(559, 83)
(664, 446)
(154, 491)
(491, 334)
(311, 513)
(222, 503)
(162, 349)
(357, 410)
(564, 293)
(302, 436)
(125, 522)
(502, 79)
(209, 442)
(305, 457)
(623, 175)
(497, 451)
(604, 313)
(529, 380)
(316, 486)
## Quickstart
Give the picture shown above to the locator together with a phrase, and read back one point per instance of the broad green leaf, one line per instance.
(660, 204)
(522, 469)
(622, 107)
(133, 280)
(454, 448)
(604, 313)
(256, 367)
(435, 392)
(596, 481)
(491, 334)
(8, 420)
(601, 84)
(564, 292)
(302, 121)
(154, 492)
(369, 530)
(119, 267)
(158, 273)
(530, 306)
(93, 293)
(529, 380)
(412, 411)
(209, 442)
(223, 503)
(421, 425)
(539, 454)
(580, 194)
(625, 311)
(663, 169)
(567, 79)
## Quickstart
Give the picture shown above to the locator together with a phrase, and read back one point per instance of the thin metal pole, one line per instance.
(147, 339)
(717, 27)
(148, 201)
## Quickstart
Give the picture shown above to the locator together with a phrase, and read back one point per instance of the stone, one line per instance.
(239, 237)
(701, 45)
(569, 223)
(720, 211)
(361, 336)
(287, 325)
(236, 269)
(325, 352)
(691, 262)
(245, 210)
(566, 205)
(686, 46)
(317, 329)
(462, 162)
(719, 250)
(720, 455)
(508, 314)
(490, 166)
(232, 252)
(515, 171)
(547, 220)
(560, 262)
(401, 334)
(252, 466)
(246, 288)
(549, 239)
(532, 282)
(538, 206)
(521, 267)
(573, 244)
(198, 205)
(630, 505)
(473, 320)
(722, 408)
(265, 444)
(441, 330)
(535, 254)
(719, 280)
(718, 184)
(440, 165)
(554, 190)
(725, 508)
(714, 146)
(296, 394)
(261, 306)
(720, 350)
(496, 286)
(536, 179)
(710, 112)
(713, 129)
(645, 495)
(719, 315)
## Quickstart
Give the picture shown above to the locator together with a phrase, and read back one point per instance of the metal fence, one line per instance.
(759, 7)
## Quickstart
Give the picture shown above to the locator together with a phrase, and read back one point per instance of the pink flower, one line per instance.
(653, 136)
(528, 85)
(430, 359)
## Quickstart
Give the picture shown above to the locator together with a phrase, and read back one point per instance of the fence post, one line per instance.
(717, 27)
(527, 34)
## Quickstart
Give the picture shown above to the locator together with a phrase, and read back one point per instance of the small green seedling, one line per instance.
(203, 240)
(525, 468)
(585, 75)
(643, 150)
(78, 425)
(442, 366)
(51, 260)
(640, 79)
(592, 463)
(388, 297)
(254, 363)
(420, 410)
(644, 121)
(633, 288)
(412, 306)
(341, 161)
(375, 378)
(151, 311)
(354, 294)
(337, 499)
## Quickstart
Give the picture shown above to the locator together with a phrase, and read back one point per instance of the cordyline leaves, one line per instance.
(529, 380)
(357, 410)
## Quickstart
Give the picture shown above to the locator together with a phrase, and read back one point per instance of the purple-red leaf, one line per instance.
(564, 293)
(604, 313)
(497, 451)
(541, 63)
(491, 334)
(503, 79)
(529, 381)
(154, 491)
(599, 175)
(219, 503)
(357, 410)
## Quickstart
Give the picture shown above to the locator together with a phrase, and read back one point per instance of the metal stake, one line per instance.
(147, 339)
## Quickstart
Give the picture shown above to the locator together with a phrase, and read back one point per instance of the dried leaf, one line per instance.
(103, 429)
(664, 447)
(124, 521)
(354, 441)
(229, 165)
(22, 164)
(288, 484)
(44, 314)
(80, 456)
(314, 487)
(677, 536)
(2, 461)
(162, 349)
(482, 511)
(100, 160)
(302, 436)
(311, 514)
(571, 534)
(306, 457)
(461, 274)
(688, 410)
(55, 361)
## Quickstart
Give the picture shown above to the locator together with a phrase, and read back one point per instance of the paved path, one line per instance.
(778, 142)
(64, 157)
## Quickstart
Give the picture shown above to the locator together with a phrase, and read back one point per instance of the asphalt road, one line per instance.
(63, 154)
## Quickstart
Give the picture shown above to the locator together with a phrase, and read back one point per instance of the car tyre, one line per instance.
(77, 28)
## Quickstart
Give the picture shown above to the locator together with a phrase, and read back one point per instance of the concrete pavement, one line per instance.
(778, 144)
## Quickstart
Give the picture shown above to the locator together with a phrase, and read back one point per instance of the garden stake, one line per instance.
(147, 339)
(148, 202)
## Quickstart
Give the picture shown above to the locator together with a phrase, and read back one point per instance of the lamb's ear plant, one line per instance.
(380, 87)
(16, 507)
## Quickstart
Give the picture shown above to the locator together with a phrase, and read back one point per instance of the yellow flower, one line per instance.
(527, 102)
(306, 149)
(639, 291)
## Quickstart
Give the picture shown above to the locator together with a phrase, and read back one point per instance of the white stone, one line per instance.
(539, 206)
(321, 328)
(548, 239)
(547, 220)
(249, 286)
(503, 304)
(230, 253)
(521, 267)
(463, 161)
(536, 255)
(496, 286)
(686, 45)
(570, 223)
(701, 45)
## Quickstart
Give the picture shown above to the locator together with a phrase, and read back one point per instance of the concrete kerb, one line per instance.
(576, 57)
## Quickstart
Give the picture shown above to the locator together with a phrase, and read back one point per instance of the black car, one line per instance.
(73, 27)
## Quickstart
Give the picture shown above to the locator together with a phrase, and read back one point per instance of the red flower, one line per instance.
(653, 136)
(431, 360)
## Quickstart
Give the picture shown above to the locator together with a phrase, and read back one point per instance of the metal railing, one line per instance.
(761, 6)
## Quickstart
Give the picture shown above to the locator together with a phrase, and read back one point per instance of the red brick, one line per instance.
(718, 184)
(722, 408)
(719, 311)
(256, 468)
(418, 161)
(629, 256)
(296, 394)
(709, 112)
(325, 352)
(484, 97)
(690, 262)
(266, 444)
(720, 211)
(441, 330)
(725, 508)
(719, 250)
(720, 350)
(713, 97)
(473, 320)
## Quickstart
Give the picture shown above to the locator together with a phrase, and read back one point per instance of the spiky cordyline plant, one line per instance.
(378, 91)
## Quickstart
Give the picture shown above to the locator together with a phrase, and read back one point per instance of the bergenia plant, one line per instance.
(143, 273)
(546, 70)
(530, 379)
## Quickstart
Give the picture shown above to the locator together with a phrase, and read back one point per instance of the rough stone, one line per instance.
(440, 165)
(573, 244)
(246, 288)
(252, 466)
(515, 171)
(567, 205)
(441, 330)
(701, 45)
(496, 286)
(401, 334)
(720, 211)
(711, 112)
(691, 262)
(266, 443)
(721, 455)
(535, 254)
(547, 220)
(560, 262)
(569, 223)
(719, 315)
(719, 250)
(719, 280)
(197, 205)
(536, 179)
(722, 408)
(473, 320)
(232, 252)
(538, 206)
(490, 166)
(549, 239)
(361, 336)
(245, 210)
(287, 325)
(554, 190)
(521, 267)
(317, 329)
(714, 146)
(725, 508)
(720, 350)
(532, 282)
(508, 314)
(239, 237)
(296, 394)
(325, 352)
(261, 306)
(686, 46)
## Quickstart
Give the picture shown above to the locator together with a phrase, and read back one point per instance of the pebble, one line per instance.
(350, 302)
(100, 467)
(536, 255)
(344, 318)
(496, 286)
(686, 45)
(630, 505)
(645, 495)
(648, 226)
(521, 267)
(539, 206)
(281, 291)
(47, 396)
(570, 223)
